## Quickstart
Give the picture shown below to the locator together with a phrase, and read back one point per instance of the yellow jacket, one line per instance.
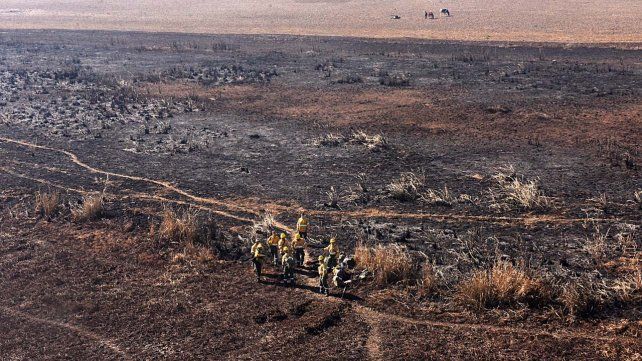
(298, 242)
(273, 240)
(323, 270)
(302, 225)
(282, 243)
(332, 249)
(254, 248)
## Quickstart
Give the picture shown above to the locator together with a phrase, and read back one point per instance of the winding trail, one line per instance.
(258, 211)
(105, 342)
(372, 317)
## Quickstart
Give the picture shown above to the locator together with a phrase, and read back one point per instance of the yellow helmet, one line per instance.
(297, 236)
(283, 235)
(285, 249)
(321, 258)
(332, 240)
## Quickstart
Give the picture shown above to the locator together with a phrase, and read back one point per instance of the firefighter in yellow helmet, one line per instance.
(298, 244)
(287, 261)
(302, 226)
(323, 277)
(283, 242)
(257, 259)
(273, 244)
(333, 252)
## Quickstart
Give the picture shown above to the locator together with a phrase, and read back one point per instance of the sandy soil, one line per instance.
(572, 21)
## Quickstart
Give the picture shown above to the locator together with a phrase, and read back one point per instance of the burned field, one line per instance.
(491, 193)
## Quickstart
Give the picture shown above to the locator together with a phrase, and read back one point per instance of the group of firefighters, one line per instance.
(289, 254)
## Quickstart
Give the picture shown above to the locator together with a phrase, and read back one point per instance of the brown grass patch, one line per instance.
(178, 227)
(46, 204)
(90, 208)
(389, 264)
(503, 284)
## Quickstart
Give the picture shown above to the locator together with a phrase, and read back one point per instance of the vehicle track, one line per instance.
(367, 213)
(105, 342)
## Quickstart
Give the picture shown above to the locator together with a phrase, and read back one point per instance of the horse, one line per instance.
(444, 12)
(431, 15)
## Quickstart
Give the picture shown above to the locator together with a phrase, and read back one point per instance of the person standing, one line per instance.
(288, 266)
(299, 249)
(273, 244)
(302, 226)
(323, 277)
(333, 253)
(257, 260)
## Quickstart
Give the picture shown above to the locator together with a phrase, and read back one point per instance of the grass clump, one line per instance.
(330, 140)
(406, 187)
(441, 197)
(389, 264)
(47, 203)
(90, 208)
(513, 189)
(502, 285)
(583, 298)
(178, 227)
(350, 79)
(394, 80)
(375, 142)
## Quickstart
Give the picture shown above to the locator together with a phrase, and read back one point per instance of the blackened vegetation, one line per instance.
(216, 75)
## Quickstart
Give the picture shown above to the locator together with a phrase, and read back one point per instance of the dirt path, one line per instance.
(372, 317)
(107, 343)
(366, 213)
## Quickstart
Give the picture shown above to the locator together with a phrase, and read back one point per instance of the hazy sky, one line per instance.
(538, 20)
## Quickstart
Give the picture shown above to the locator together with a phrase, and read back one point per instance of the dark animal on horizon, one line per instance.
(445, 12)
(431, 15)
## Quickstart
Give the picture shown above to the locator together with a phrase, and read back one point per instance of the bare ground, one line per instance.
(231, 126)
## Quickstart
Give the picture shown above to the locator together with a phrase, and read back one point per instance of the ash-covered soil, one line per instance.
(462, 154)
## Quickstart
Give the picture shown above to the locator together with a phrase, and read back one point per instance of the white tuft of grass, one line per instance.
(406, 187)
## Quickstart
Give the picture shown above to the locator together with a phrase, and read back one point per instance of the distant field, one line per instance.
(573, 21)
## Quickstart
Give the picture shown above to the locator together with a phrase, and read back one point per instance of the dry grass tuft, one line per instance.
(390, 264)
(583, 298)
(597, 246)
(264, 226)
(47, 203)
(175, 227)
(329, 140)
(629, 289)
(375, 142)
(502, 285)
(89, 209)
(406, 187)
(514, 189)
(430, 279)
(333, 198)
(441, 197)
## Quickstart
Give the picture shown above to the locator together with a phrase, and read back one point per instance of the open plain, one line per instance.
(505, 179)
